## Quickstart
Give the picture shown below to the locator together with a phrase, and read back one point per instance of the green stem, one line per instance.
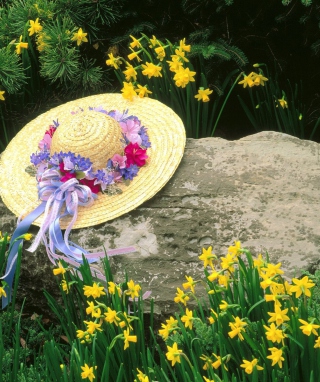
(224, 103)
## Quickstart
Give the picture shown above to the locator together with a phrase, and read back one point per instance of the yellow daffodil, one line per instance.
(113, 288)
(94, 291)
(207, 379)
(142, 377)
(65, 286)
(207, 257)
(187, 319)
(126, 321)
(128, 338)
(92, 326)
(143, 91)
(235, 249)
(203, 95)
(223, 280)
(175, 64)
(87, 372)
(212, 317)
(128, 91)
(302, 286)
(60, 270)
(2, 292)
(247, 81)
(213, 276)
(160, 52)
(135, 43)
(237, 327)
(111, 316)
(258, 79)
(276, 356)
(181, 297)
(224, 305)
(134, 55)
(80, 37)
(190, 284)
(219, 361)
(183, 46)
(273, 334)
(133, 289)
(279, 316)
(283, 103)
(154, 42)
(272, 270)
(151, 70)
(317, 343)
(35, 27)
(258, 262)
(308, 328)
(250, 365)
(1, 95)
(27, 236)
(130, 73)
(228, 262)
(181, 55)
(173, 354)
(113, 61)
(168, 328)
(183, 76)
(95, 311)
(21, 45)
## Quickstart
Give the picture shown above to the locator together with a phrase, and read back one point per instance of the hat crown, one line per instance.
(91, 134)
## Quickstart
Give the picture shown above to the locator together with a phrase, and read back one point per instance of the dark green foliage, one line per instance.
(12, 75)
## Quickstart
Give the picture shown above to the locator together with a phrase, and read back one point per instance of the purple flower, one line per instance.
(130, 128)
(37, 158)
(117, 115)
(144, 137)
(98, 108)
(129, 172)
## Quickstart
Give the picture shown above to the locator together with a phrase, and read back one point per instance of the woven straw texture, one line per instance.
(166, 132)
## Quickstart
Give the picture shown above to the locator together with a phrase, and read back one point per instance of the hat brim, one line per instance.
(166, 132)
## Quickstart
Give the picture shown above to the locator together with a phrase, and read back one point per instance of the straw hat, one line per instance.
(95, 136)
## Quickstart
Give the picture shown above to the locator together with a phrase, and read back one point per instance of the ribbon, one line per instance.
(55, 196)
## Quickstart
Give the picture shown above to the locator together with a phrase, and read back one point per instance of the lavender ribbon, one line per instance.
(56, 195)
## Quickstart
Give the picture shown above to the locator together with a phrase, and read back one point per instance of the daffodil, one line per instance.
(2, 292)
(92, 326)
(237, 327)
(142, 377)
(133, 289)
(302, 286)
(113, 288)
(142, 91)
(183, 46)
(272, 270)
(128, 338)
(187, 319)
(111, 316)
(94, 291)
(154, 42)
(235, 249)
(308, 328)
(181, 297)
(183, 76)
(279, 316)
(273, 334)
(65, 286)
(60, 270)
(21, 45)
(134, 55)
(130, 73)
(190, 284)
(1, 95)
(128, 91)
(161, 53)
(228, 262)
(203, 95)
(27, 236)
(212, 317)
(276, 356)
(95, 311)
(80, 37)
(207, 257)
(113, 61)
(317, 343)
(135, 43)
(223, 279)
(181, 55)
(35, 27)
(87, 372)
(173, 354)
(175, 64)
(168, 328)
(283, 103)
(247, 81)
(250, 365)
(224, 305)
(258, 79)
(151, 70)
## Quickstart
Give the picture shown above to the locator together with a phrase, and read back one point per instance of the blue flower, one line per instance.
(144, 137)
(129, 172)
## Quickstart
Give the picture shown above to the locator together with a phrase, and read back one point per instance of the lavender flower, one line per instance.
(129, 172)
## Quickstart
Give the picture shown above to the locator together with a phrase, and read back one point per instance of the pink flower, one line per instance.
(95, 188)
(130, 129)
(119, 160)
(51, 130)
(45, 143)
(135, 155)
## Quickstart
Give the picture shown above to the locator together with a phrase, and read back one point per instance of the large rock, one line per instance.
(262, 190)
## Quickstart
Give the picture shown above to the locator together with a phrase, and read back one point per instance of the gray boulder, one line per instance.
(262, 190)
